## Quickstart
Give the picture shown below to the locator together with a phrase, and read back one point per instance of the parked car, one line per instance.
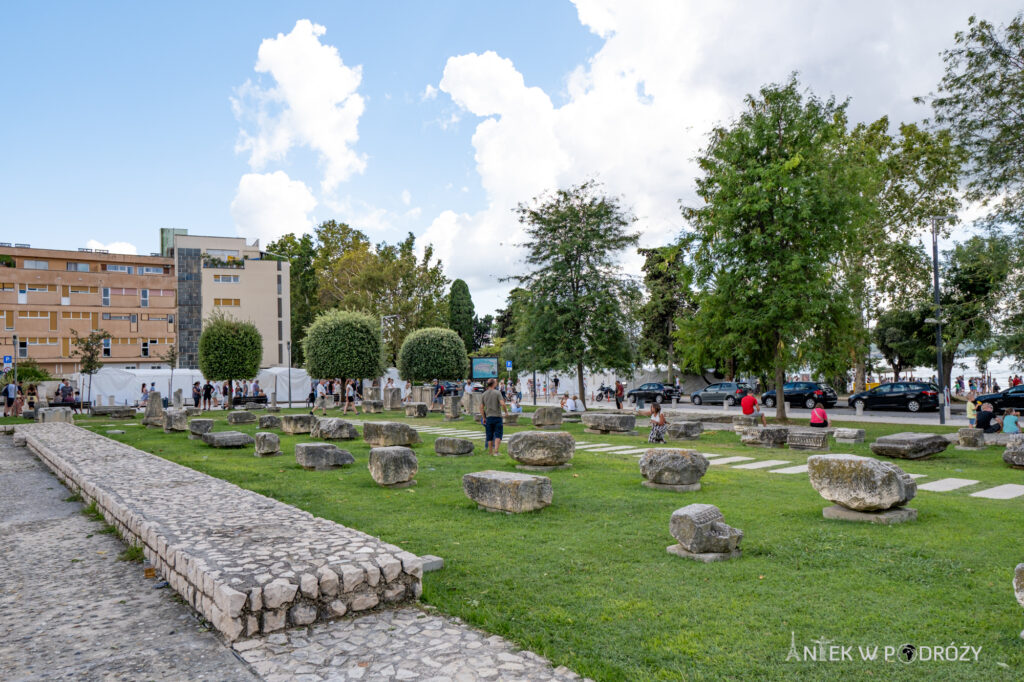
(727, 392)
(654, 392)
(803, 394)
(1011, 397)
(902, 395)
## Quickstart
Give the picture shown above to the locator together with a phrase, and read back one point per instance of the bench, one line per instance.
(243, 400)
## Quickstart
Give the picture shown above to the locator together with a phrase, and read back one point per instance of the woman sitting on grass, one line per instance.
(658, 423)
(819, 418)
(1010, 421)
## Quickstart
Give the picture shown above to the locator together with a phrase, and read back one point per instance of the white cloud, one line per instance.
(429, 92)
(112, 247)
(314, 103)
(406, 197)
(269, 205)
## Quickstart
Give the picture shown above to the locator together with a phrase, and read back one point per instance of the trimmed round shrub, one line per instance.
(229, 349)
(343, 344)
(433, 353)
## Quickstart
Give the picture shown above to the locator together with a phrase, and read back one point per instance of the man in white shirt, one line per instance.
(570, 405)
(321, 397)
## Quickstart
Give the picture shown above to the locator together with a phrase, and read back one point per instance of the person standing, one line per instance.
(197, 394)
(10, 394)
(620, 393)
(207, 395)
(972, 408)
(492, 406)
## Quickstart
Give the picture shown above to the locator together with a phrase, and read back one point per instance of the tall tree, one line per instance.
(979, 98)
(90, 351)
(305, 300)
(482, 331)
(579, 306)
(229, 349)
(667, 280)
(782, 199)
(903, 338)
(460, 312)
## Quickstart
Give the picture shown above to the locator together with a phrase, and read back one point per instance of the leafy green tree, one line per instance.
(229, 349)
(579, 306)
(482, 330)
(460, 312)
(30, 372)
(433, 353)
(782, 199)
(305, 300)
(979, 99)
(667, 280)
(904, 340)
(343, 344)
(506, 321)
(89, 350)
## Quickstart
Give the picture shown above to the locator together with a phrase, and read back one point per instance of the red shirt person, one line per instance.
(749, 406)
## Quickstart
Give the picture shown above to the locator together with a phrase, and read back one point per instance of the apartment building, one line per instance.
(46, 295)
(227, 274)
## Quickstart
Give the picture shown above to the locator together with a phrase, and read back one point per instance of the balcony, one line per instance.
(214, 262)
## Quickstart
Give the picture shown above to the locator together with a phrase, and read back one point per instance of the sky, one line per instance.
(257, 119)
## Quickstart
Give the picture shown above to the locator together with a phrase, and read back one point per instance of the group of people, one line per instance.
(17, 396)
(209, 396)
(347, 394)
(983, 416)
(984, 384)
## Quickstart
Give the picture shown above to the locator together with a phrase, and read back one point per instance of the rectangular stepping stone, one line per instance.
(1007, 491)
(730, 460)
(918, 475)
(763, 464)
(799, 469)
(946, 484)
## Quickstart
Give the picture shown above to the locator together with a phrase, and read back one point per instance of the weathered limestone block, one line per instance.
(909, 445)
(452, 408)
(333, 428)
(572, 417)
(227, 439)
(453, 446)
(548, 450)
(321, 456)
(547, 418)
(597, 422)
(177, 399)
(194, 411)
(384, 434)
(808, 439)
(848, 436)
(197, 427)
(241, 417)
(392, 398)
(860, 483)
(677, 470)
(393, 466)
(254, 406)
(113, 411)
(1014, 455)
(418, 410)
(506, 491)
(510, 419)
(373, 406)
(971, 438)
(267, 444)
(49, 415)
(703, 534)
(743, 421)
(372, 393)
(270, 421)
(685, 431)
(297, 423)
(765, 436)
(471, 403)
(175, 419)
(154, 410)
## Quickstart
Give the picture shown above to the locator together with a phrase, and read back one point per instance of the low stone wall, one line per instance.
(246, 562)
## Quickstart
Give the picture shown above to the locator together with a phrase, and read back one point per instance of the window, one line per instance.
(155, 318)
(33, 313)
(223, 254)
(227, 302)
(279, 284)
(145, 349)
(279, 307)
(78, 267)
(37, 265)
(106, 316)
(110, 267)
(22, 349)
(170, 319)
(144, 298)
(134, 318)
(105, 300)
(106, 348)
(145, 270)
(39, 287)
(80, 316)
(279, 330)
(81, 290)
(6, 286)
(8, 319)
(226, 279)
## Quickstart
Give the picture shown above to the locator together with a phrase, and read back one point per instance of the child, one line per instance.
(972, 408)
(1010, 421)
(659, 425)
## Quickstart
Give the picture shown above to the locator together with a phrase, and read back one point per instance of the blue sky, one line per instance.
(119, 120)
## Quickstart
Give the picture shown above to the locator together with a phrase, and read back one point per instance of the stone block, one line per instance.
(510, 419)
(507, 491)
(838, 512)
(322, 456)
(452, 408)
(677, 470)
(909, 445)
(227, 439)
(393, 466)
(541, 449)
(808, 439)
(297, 423)
(392, 398)
(971, 438)
(269, 421)
(597, 422)
(267, 444)
(241, 417)
(432, 563)
(1014, 455)
(471, 403)
(1018, 583)
(860, 483)
(254, 406)
(704, 557)
(194, 411)
(848, 436)
(743, 421)
(154, 415)
(685, 431)
(765, 436)
(384, 434)
(333, 428)
(175, 419)
(197, 427)
(418, 410)
(113, 411)
(700, 529)
(373, 406)
(453, 446)
(547, 418)
(49, 415)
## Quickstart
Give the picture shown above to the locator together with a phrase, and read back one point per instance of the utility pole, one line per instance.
(938, 315)
(289, 346)
(15, 359)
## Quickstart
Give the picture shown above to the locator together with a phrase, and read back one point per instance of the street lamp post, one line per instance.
(288, 344)
(15, 356)
(938, 315)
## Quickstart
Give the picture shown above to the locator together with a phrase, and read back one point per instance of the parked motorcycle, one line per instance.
(605, 393)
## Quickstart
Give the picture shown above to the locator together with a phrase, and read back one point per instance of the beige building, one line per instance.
(229, 275)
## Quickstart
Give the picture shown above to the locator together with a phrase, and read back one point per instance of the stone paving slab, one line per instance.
(946, 484)
(763, 464)
(731, 460)
(1007, 491)
(248, 563)
(799, 469)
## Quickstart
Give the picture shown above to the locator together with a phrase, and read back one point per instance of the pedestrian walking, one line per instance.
(620, 393)
(492, 407)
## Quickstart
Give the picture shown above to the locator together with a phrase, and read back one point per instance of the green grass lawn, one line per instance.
(587, 582)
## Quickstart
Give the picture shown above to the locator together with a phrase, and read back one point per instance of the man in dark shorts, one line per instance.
(492, 406)
(986, 420)
(207, 395)
(10, 393)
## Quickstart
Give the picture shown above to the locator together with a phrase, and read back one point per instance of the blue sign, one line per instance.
(508, 365)
(8, 359)
(485, 368)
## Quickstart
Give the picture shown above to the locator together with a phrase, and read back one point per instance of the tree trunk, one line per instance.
(947, 369)
(579, 379)
(859, 373)
(671, 368)
(780, 395)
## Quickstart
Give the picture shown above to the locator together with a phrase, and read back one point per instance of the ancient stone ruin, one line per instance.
(506, 491)
(863, 489)
(970, 439)
(1014, 454)
(175, 419)
(703, 535)
(227, 439)
(808, 439)
(848, 436)
(549, 418)
(297, 423)
(241, 417)
(418, 410)
(384, 434)
(452, 408)
(451, 447)
(267, 444)
(333, 428)
(393, 466)
(539, 451)
(321, 456)
(765, 436)
(49, 415)
(197, 427)
(154, 410)
(675, 470)
(270, 421)
(909, 445)
(616, 424)
(685, 431)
